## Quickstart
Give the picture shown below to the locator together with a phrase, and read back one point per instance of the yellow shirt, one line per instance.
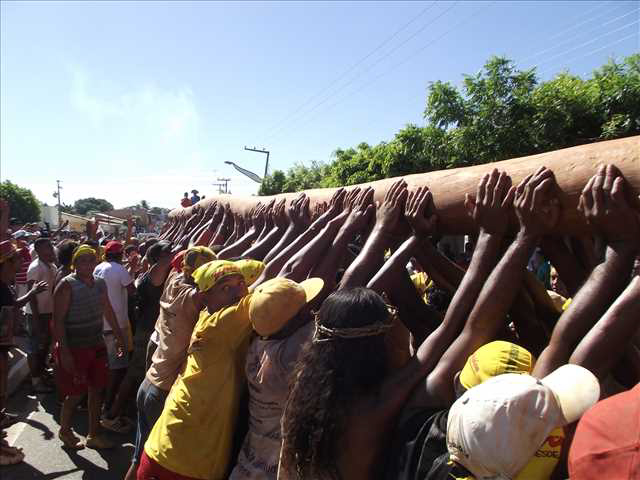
(544, 462)
(422, 283)
(193, 435)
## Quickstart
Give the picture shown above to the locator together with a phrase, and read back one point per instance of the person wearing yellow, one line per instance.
(193, 436)
(180, 306)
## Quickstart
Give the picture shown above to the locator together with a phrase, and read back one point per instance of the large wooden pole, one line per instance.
(572, 168)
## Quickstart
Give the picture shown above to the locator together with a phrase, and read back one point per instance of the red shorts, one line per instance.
(91, 370)
(149, 469)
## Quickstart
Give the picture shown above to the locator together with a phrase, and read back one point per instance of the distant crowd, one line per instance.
(343, 340)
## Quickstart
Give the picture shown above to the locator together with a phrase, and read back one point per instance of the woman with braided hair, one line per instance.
(345, 361)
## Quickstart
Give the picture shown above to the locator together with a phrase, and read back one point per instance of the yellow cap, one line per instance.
(278, 300)
(82, 250)
(251, 269)
(195, 257)
(206, 276)
(494, 359)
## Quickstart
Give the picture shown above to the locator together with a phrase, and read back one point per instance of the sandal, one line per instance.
(8, 419)
(118, 424)
(10, 455)
(99, 443)
(69, 440)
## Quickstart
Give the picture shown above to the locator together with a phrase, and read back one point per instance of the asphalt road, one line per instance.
(44, 456)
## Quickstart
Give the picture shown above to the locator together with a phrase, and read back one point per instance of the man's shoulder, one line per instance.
(34, 265)
(102, 266)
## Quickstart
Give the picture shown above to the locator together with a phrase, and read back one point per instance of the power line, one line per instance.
(354, 66)
(406, 59)
(575, 37)
(587, 43)
(576, 25)
(393, 50)
(594, 51)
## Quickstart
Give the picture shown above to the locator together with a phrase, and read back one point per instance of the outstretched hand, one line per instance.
(258, 217)
(606, 209)
(420, 212)
(279, 214)
(491, 207)
(298, 212)
(536, 203)
(359, 205)
(389, 213)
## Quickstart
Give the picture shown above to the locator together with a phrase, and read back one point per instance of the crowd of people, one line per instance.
(339, 341)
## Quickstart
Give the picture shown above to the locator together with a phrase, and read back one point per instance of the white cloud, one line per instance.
(149, 112)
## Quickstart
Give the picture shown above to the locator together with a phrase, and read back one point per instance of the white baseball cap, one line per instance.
(495, 428)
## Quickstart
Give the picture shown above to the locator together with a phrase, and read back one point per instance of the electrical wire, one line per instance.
(574, 37)
(350, 69)
(620, 40)
(327, 98)
(395, 66)
(586, 43)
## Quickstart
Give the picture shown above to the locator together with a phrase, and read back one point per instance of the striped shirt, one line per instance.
(83, 323)
(21, 274)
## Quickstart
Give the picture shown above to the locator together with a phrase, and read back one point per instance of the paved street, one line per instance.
(45, 457)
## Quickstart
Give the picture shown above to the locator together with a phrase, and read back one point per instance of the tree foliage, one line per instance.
(23, 205)
(498, 113)
(84, 205)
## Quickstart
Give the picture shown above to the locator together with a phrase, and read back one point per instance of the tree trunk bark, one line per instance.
(572, 168)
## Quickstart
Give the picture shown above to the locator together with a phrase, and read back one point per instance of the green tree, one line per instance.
(272, 184)
(67, 208)
(144, 204)
(23, 205)
(84, 205)
(498, 113)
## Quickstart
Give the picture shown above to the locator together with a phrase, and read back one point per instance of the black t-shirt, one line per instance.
(419, 448)
(148, 302)
(7, 315)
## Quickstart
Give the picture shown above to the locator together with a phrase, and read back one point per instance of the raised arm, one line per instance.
(202, 233)
(359, 208)
(444, 272)
(605, 208)
(420, 319)
(604, 345)
(278, 219)
(299, 220)
(275, 265)
(243, 243)
(60, 228)
(268, 221)
(371, 257)
(221, 228)
(490, 211)
(537, 210)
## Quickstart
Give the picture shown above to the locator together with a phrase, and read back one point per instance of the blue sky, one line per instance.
(143, 100)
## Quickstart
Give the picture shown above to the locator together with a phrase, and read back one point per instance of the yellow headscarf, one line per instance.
(195, 257)
(81, 250)
(209, 274)
(250, 269)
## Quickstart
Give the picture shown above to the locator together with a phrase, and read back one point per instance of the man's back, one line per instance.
(117, 279)
(269, 363)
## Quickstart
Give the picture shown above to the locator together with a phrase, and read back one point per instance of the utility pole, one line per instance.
(266, 165)
(57, 195)
(224, 183)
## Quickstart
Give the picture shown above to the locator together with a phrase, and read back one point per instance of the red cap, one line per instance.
(113, 247)
(177, 260)
(607, 439)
